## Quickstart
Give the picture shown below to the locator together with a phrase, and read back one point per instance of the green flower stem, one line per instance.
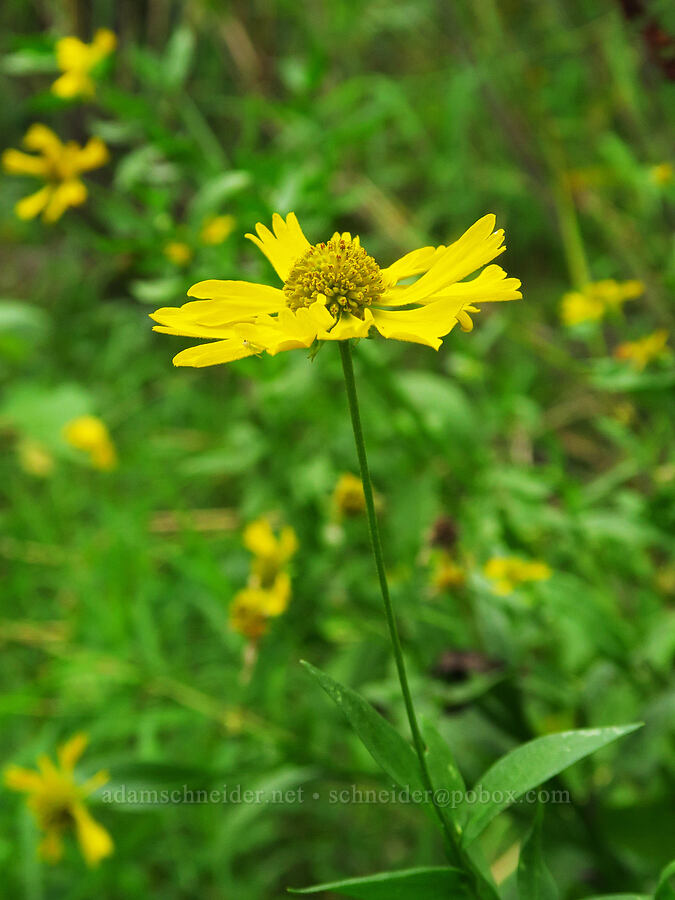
(454, 852)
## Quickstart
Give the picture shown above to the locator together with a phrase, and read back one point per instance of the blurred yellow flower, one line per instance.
(57, 802)
(34, 458)
(334, 291)
(217, 229)
(90, 434)
(77, 59)
(447, 573)
(507, 572)
(348, 496)
(591, 304)
(662, 173)
(271, 553)
(178, 252)
(643, 351)
(252, 607)
(59, 165)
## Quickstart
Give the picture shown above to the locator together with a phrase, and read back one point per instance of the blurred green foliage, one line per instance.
(404, 122)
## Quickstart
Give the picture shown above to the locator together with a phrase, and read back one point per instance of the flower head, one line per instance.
(335, 290)
(596, 299)
(348, 496)
(90, 434)
(643, 351)
(57, 802)
(662, 173)
(507, 572)
(270, 552)
(253, 607)
(35, 458)
(217, 229)
(77, 60)
(447, 573)
(178, 252)
(59, 166)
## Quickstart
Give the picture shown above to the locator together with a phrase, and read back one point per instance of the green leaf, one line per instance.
(665, 889)
(535, 882)
(383, 742)
(530, 765)
(178, 57)
(409, 884)
(445, 776)
(619, 897)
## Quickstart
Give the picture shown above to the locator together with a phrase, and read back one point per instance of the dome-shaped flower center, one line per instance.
(339, 273)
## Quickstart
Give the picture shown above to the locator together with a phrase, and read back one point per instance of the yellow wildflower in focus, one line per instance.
(77, 60)
(59, 166)
(591, 304)
(662, 173)
(178, 252)
(643, 351)
(507, 572)
(252, 607)
(217, 229)
(34, 458)
(335, 291)
(57, 802)
(348, 496)
(90, 434)
(271, 553)
(447, 574)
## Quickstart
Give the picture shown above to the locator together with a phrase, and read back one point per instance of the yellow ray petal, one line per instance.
(212, 332)
(414, 263)
(17, 163)
(95, 842)
(490, 286)
(349, 326)
(39, 137)
(69, 752)
(474, 249)
(104, 43)
(251, 297)
(73, 83)
(68, 193)
(290, 329)
(95, 782)
(283, 247)
(32, 206)
(71, 53)
(214, 353)
(20, 779)
(92, 155)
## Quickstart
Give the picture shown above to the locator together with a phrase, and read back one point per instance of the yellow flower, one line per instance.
(662, 173)
(447, 573)
(217, 229)
(334, 291)
(77, 59)
(507, 572)
(34, 458)
(252, 607)
(271, 553)
(57, 802)
(348, 496)
(59, 165)
(643, 351)
(178, 252)
(90, 434)
(591, 304)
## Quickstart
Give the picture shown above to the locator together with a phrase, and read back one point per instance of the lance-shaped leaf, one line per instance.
(530, 765)
(409, 884)
(383, 742)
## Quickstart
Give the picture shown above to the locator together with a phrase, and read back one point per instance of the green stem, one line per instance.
(454, 853)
